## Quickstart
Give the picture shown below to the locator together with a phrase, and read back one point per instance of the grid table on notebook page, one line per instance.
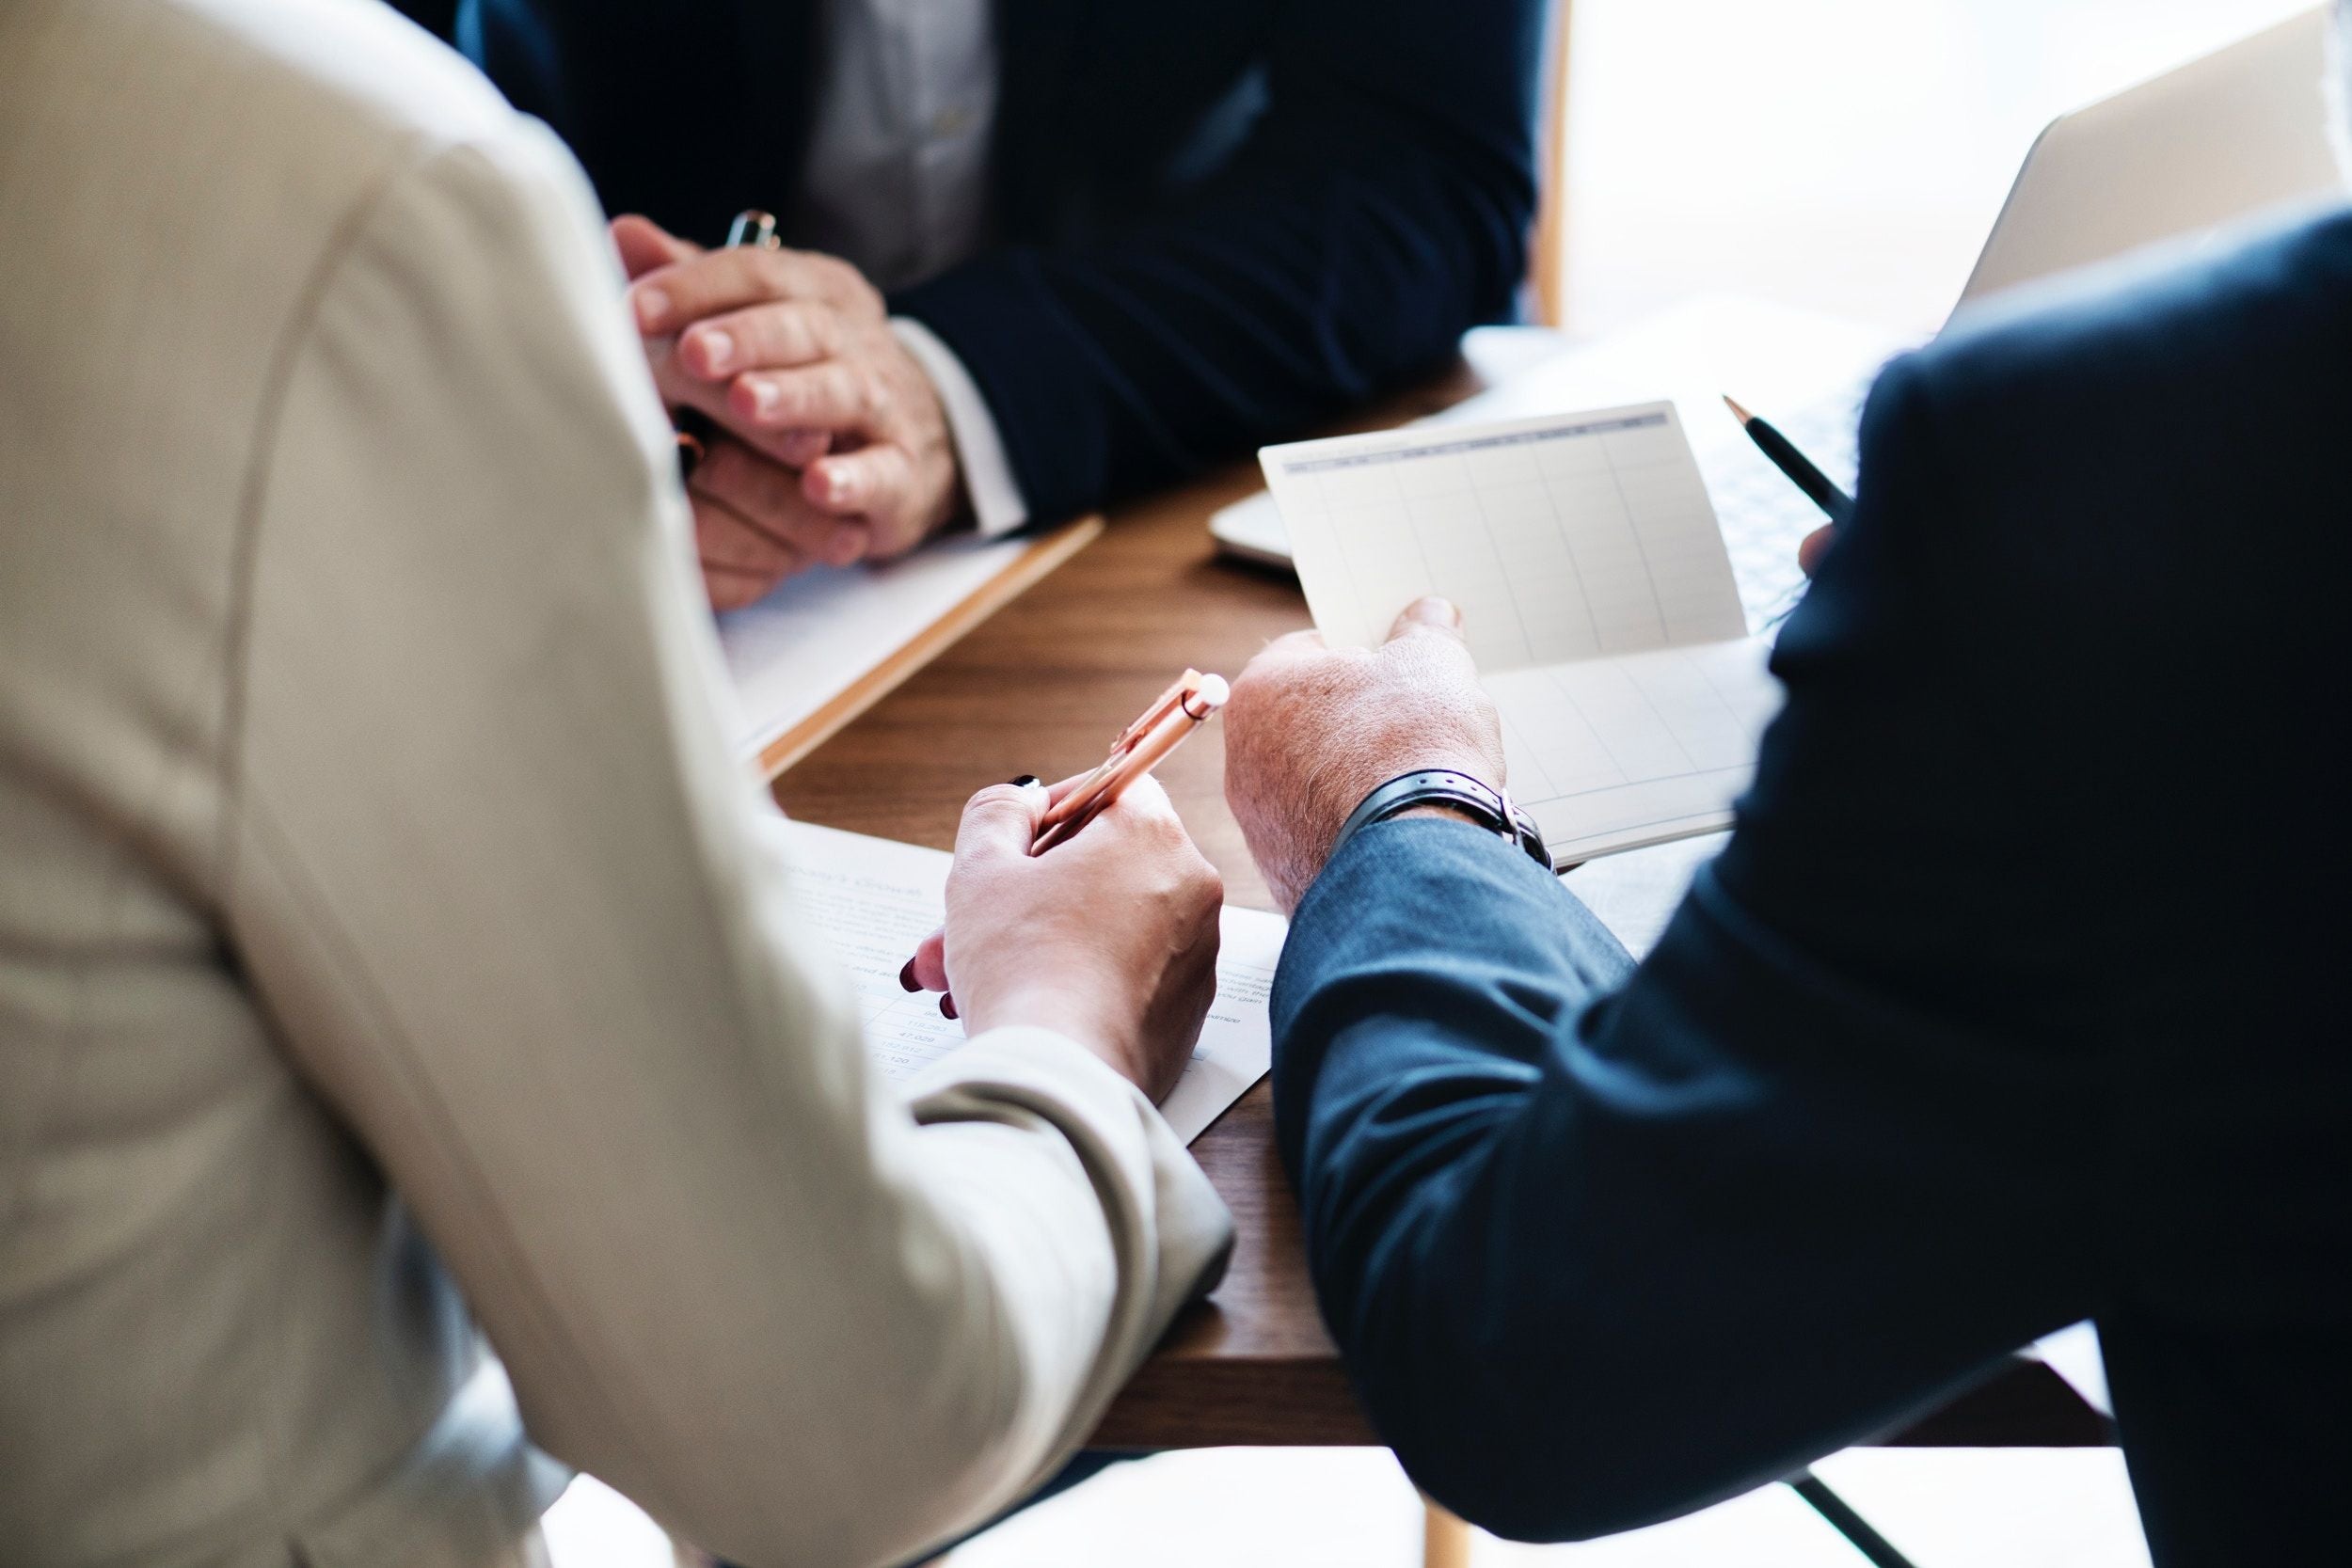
(874, 899)
(1595, 592)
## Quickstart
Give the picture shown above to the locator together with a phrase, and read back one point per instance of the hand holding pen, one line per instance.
(1181, 709)
(1818, 487)
(1057, 814)
(1110, 941)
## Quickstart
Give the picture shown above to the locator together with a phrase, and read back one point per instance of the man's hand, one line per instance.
(841, 452)
(1815, 546)
(1312, 730)
(1109, 939)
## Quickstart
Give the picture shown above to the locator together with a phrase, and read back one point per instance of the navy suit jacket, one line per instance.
(1223, 221)
(2019, 996)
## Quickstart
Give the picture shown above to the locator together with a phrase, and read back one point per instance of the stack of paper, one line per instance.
(829, 643)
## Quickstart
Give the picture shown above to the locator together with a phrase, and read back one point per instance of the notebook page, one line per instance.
(875, 898)
(1614, 753)
(1596, 591)
(1567, 537)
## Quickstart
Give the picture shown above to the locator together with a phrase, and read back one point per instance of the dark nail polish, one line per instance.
(946, 1006)
(906, 978)
(1026, 779)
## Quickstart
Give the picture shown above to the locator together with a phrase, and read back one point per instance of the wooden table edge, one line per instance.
(1032, 566)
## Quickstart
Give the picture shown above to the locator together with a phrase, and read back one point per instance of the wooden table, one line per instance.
(1041, 688)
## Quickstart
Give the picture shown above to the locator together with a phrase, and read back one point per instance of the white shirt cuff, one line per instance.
(997, 503)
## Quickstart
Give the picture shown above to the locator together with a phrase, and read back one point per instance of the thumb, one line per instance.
(645, 245)
(1001, 821)
(1431, 611)
(1815, 548)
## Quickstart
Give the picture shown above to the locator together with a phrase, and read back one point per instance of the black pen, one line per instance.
(1800, 468)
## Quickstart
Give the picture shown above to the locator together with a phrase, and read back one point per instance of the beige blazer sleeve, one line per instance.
(508, 896)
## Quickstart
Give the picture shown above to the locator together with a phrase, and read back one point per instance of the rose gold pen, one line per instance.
(1183, 708)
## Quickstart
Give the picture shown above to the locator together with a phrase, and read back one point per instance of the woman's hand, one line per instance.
(1109, 939)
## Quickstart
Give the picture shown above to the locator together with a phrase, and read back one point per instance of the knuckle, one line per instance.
(848, 281)
(770, 270)
(815, 327)
(788, 333)
(1257, 685)
(994, 799)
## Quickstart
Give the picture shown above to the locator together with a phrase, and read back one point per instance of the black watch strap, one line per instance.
(1442, 786)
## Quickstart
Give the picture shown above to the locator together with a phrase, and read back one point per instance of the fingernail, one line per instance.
(837, 487)
(1442, 611)
(653, 308)
(946, 1006)
(764, 397)
(1028, 781)
(906, 978)
(718, 349)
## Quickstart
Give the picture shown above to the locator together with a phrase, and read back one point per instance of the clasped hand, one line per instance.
(834, 446)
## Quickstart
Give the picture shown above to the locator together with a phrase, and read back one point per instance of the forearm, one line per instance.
(1436, 929)
(503, 886)
(1601, 1247)
(1491, 1240)
(1413, 1050)
(1428, 976)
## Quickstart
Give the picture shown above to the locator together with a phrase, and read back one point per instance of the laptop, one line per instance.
(2239, 135)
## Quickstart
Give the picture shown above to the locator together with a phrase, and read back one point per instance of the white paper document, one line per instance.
(1595, 590)
(819, 632)
(876, 899)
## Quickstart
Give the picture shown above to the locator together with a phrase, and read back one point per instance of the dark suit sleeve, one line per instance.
(1379, 208)
(1605, 1244)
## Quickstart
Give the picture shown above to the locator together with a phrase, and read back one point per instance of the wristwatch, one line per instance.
(1490, 808)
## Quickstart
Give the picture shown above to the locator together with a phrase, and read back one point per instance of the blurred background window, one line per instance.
(1849, 155)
